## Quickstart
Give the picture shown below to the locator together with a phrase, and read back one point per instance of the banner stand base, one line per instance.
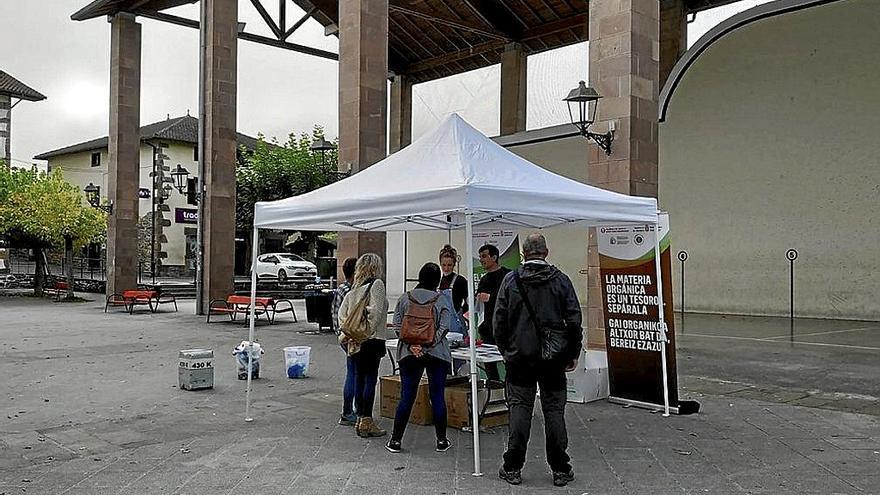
(643, 405)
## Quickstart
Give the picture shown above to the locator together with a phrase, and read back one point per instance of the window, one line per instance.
(196, 153)
(291, 257)
(96, 159)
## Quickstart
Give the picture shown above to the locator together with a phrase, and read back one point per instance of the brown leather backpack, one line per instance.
(419, 325)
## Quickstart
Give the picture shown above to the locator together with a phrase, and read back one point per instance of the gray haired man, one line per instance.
(537, 326)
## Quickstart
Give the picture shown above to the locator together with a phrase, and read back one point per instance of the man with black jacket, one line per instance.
(537, 325)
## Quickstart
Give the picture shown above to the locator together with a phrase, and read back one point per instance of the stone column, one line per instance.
(6, 129)
(221, 66)
(513, 89)
(401, 113)
(624, 69)
(673, 36)
(124, 152)
(363, 72)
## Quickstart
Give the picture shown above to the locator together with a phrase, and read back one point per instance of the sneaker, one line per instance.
(348, 420)
(443, 445)
(562, 479)
(512, 477)
(393, 446)
(367, 428)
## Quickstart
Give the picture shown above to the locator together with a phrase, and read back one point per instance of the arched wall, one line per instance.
(771, 141)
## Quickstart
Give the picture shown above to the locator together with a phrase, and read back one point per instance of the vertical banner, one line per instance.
(633, 336)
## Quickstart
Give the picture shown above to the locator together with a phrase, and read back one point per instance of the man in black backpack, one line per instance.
(537, 325)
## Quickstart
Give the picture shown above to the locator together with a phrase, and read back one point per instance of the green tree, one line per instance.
(279, 170)
(40, 211)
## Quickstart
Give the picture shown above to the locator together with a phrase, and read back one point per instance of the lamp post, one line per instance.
(582, 105)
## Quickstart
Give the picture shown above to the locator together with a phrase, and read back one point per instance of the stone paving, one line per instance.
(89, 404)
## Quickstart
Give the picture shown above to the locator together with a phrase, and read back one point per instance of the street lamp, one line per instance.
(93, 196)
(322, 145)
(186, 185)
(179, 174)
(583, 102)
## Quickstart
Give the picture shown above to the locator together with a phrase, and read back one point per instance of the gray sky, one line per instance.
(278, 91)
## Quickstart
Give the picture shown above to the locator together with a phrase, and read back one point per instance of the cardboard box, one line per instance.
(389, 389)
(458, 411)
(589, 381)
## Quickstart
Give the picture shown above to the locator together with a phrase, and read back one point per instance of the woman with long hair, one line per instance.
(368, 353)
(416, 360)
(452, 280)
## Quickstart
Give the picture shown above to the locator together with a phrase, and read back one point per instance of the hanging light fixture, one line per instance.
(93, 197)
(582, 105)
(179, 174)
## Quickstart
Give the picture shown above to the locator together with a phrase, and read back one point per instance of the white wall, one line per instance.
(770, 143)
(76, 169)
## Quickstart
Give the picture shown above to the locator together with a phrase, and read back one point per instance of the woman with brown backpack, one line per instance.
(421, 320)
(362, 325)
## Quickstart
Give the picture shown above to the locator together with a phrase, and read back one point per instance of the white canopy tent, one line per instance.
(451, 178)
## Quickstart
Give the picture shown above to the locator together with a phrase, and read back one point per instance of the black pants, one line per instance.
(411, 371)
(366, 362)
(522, 383)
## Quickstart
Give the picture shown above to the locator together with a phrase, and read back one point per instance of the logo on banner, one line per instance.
(186, 215)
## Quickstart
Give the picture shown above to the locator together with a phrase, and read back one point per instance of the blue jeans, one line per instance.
(348, 388)
(411, 369)
(366, 362)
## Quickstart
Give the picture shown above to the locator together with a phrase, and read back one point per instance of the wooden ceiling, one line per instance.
(430, 39)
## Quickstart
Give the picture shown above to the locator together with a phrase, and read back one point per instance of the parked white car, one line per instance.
(286, 267)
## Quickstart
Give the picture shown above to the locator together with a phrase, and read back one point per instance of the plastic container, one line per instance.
(296, 361)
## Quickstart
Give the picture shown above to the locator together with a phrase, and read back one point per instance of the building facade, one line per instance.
(174, 232)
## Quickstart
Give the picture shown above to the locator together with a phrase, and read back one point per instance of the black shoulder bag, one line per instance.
(554, 342)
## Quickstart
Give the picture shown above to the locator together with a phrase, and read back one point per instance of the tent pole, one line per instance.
(472, 333)
(254, 253)
(660, 316)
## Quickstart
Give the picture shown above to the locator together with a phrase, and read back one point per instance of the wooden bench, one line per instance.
(241, 305)
(130, 298)
(58, 290)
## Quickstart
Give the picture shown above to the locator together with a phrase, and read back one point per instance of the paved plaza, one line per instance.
(90, 404)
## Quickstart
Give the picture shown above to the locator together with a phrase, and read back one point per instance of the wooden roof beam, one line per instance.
(403, 7)
(497, 15)
(577, 23)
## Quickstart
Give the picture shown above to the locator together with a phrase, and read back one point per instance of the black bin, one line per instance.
(319, 307)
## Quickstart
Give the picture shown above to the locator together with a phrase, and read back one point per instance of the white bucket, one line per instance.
(296, 361)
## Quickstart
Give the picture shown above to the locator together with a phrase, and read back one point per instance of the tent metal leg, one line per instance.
(255, 249)
(660, 316)
(472, 332)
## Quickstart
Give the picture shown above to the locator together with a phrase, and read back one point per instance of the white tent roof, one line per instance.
(446, 173)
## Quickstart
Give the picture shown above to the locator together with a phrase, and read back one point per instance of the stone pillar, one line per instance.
(124, 152)
(513, 89)
(218, 225)
(673, 36)
(6, 129)
(624, 69)
(363, 72)
(401, 113)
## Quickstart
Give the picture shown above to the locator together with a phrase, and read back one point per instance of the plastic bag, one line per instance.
(241, 353)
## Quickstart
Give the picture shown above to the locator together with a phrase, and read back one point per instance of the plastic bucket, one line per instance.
(296, 361)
